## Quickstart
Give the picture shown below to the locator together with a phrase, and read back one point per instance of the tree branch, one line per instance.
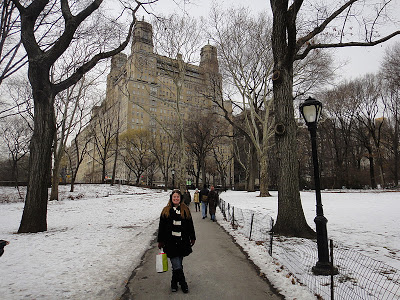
(341, 45)
(74, 78)
(320, 28)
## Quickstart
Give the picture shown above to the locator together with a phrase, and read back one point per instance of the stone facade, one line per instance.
(145, 88)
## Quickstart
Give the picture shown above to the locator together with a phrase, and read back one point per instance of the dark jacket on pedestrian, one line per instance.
(187, 198)
(212, 201)
(176, 231)
(204, 194)
(3, 243)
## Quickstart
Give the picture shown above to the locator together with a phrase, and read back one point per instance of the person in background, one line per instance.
(3, 243)
(203, 198)
(187, 198)
(196, 199)
(176, 236)
(212, 202)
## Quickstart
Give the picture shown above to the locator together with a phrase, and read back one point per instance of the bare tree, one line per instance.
(43, 56)
(11, 60)
(245, 52)
(391, 65)
(69, 105)
(337, 129)
(202, 133)
(16, 133)
(368, 95)
(103, 133)
(163, 149)
(136, 152)
(116, 144)
(390, 71)
(19, 101)
(287, 48)
(246, 61)
(179, 37)
(76, 153)
(223, 163)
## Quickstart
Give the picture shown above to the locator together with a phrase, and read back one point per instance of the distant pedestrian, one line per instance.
(187, 198)
(176, 236)
(196, 199)
(3, 243)
(213, 200)
(203, 198)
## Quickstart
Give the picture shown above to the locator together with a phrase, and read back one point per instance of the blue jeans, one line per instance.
(204, 209)
(176, 263)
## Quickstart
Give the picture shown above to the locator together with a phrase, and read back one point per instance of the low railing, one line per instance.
(360, 277)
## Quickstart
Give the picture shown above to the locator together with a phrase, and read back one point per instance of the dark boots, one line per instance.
(179, 276)
(182, 281)
(174, 281)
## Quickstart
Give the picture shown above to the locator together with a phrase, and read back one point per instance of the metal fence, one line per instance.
(360, 277)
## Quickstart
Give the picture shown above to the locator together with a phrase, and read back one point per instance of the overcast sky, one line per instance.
(357, 60)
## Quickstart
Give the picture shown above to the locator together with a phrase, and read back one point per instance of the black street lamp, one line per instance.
(173, 178)
(310, 109)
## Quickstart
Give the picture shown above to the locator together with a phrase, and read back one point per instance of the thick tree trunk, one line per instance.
(372, 170)
(252, 169)
(14, 174)
(182, 161)
(203, 173)
(264, 179)
(55, 182)
(290, 220)
(56, 170)
(34, 217)
(396, 151)
(116, 149)
(73, 177)
(103, 169)
(115, 163)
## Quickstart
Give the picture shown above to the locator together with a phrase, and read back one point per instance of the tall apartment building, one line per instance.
(146, 88)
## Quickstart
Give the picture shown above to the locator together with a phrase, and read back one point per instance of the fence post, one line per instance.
(332, 271)
(224, 212)
(271, 237)
(251, 225)
(233, 217)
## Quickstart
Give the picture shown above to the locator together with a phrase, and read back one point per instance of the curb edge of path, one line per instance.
(127, 293)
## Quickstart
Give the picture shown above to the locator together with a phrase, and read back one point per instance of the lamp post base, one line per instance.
(324, 269)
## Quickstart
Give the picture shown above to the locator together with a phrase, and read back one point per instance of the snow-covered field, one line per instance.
(364, 220)
(92, 245)
(97, 235)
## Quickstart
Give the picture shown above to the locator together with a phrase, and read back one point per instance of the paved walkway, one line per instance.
(217, 269)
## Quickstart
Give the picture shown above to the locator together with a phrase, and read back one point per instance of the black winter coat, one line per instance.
(203, 192)
(176, 245)
(212, 201)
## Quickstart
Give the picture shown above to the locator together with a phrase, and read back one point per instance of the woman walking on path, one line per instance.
(177, 236)
(196, 199)
(203, 198)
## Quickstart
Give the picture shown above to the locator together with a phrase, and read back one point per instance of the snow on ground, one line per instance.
(97, 235)
(364, 220)
(92, 245)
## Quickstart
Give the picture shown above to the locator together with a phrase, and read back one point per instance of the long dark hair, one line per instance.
(185, 211)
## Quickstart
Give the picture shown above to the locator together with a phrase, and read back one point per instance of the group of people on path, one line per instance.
(208, 198)
(205, 197)
(176, 234)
